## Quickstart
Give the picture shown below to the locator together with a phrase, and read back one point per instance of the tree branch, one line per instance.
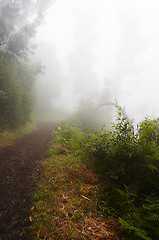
(115, 104)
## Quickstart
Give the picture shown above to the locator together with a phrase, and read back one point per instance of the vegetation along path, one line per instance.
(19, 167)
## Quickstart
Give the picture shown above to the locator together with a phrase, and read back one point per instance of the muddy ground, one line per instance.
(19, 169)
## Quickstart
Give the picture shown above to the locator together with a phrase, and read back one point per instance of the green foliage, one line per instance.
(7, 136)
(129, 160)
(18, 22)
(142, 219)
(137, 231)
(129, 156)
(16, 93)
(72, 136)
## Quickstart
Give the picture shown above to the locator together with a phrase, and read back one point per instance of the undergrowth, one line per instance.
(126, 162)
(131, 160)
(64, 204)
(8, 135)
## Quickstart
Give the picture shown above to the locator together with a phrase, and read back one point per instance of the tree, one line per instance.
(16, 93)
(18, 22)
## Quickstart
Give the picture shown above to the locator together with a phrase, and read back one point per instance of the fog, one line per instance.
(94, 48)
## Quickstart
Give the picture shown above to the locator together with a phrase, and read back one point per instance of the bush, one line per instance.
(131, 157)
(129, 160)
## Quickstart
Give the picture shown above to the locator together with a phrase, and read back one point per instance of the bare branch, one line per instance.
(115, 104)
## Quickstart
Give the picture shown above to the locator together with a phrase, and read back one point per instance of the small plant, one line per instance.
(131, 160)
(76, 139)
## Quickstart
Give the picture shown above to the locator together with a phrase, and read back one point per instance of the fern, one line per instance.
(154, 217)
(137, 231)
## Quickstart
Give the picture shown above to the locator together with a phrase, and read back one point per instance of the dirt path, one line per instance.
(19, 167)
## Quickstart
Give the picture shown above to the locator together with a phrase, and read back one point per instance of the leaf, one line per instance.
(139, 232)
(152, 168)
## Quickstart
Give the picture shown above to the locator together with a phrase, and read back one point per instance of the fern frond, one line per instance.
(137, 231)
(154, 217)
(153, 168)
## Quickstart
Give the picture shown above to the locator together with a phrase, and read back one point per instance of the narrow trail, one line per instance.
(19, 167)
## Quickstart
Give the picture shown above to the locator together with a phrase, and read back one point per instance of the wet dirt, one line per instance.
(19, 171)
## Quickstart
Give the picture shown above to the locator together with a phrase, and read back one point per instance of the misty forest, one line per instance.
(79, 119)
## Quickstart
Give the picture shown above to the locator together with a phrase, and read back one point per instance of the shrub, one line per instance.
(128, 156)
(129, 160)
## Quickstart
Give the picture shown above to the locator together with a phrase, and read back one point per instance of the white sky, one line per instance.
(97, 39)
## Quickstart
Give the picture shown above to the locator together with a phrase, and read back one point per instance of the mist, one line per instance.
(99, 51)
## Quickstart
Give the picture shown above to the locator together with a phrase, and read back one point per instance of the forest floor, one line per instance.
(19, 170)
(66, 202)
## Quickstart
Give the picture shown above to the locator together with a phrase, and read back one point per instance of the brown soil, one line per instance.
(19, 168)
